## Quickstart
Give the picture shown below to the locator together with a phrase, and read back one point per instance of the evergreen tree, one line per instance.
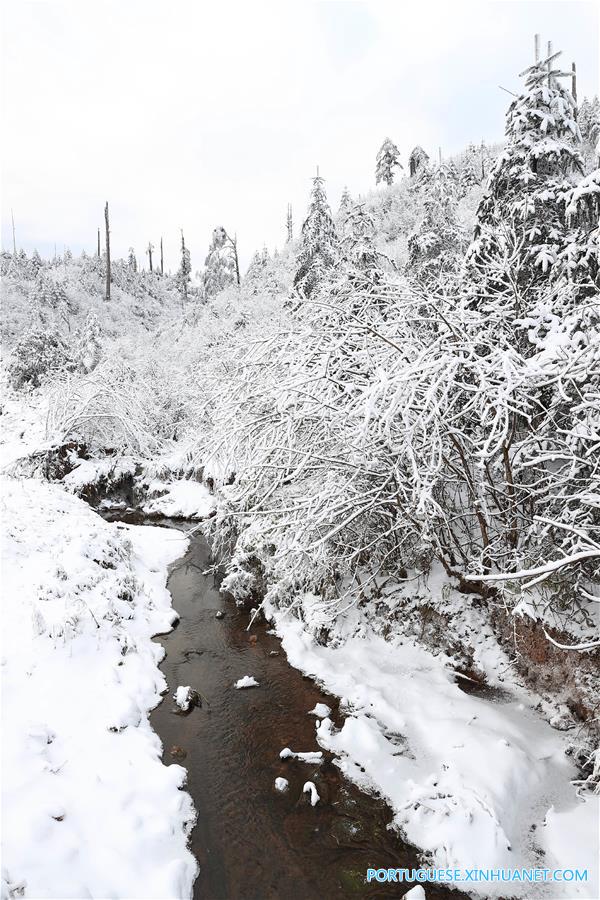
(319, 247)
(220, 264)
(90, 347)
(185, 268)
(131, 260)
(438, 246)
(589, 120)
(469, 174)
(358, 244)
(521, 225)
(388, 159)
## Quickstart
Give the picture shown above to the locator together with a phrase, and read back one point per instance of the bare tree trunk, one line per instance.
(149, 251)
(536, 46)
(98, 243)
(290, 223)
(162, 262)
(574, 86)
(107, 298)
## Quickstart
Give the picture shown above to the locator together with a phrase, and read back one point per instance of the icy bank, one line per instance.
(88, 807)
(184, 499)
(477, 783)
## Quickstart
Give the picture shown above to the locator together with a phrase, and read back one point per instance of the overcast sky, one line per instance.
(192, 114)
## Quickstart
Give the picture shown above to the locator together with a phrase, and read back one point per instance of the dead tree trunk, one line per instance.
(162, 262)
(149, 252)
(98, 243)
(107, 298)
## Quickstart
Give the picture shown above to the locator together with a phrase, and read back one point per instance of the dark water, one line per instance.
(252, 842)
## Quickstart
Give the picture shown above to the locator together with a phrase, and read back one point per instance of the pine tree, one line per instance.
(185, 269)
(358, 244)
(90, 347)
(469, 174)
(131, 260)
(319, 248)
(589, 120)
(221, 267)
(521, 223)
(438, 246)
(388, 159)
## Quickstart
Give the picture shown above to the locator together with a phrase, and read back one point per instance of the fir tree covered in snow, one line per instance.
(220, 264)
(185, 268)
(388, 159)
(521, 221)
(319, 241)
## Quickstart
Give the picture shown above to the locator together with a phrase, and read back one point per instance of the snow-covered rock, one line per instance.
(281, 784)
(321, 710)
(309, 788)
(312, 757)
(184, 697)
(247, 681)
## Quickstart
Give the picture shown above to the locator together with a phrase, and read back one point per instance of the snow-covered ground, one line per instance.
(477, 783)
(88, 808)
(184, 499)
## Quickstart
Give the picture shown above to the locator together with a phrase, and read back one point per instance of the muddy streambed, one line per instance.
(251, 841)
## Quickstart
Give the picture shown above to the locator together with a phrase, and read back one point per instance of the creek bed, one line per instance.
(251, 841)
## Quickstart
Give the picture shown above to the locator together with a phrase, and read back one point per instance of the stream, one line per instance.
(251, 841)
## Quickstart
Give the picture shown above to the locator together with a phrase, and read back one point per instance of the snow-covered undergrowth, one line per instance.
(473, 783)
(88, 808)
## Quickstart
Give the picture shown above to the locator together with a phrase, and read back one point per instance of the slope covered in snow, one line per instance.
(88, 807)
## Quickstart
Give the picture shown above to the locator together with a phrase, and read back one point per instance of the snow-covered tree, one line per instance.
(131, 260)
(90, 346)
(388, 159)
(521, 221)
(221, 266)
(319, 241)
(437, 248)
(184, 272)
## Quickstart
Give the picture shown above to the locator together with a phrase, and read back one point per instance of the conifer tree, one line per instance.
(221, 265)
(388, 158)
(184, 272)
(521, 223)
(319, 248)
(131, 260)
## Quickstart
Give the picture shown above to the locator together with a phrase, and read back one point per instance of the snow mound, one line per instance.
(179, 500)
(183, 697)
(246, 682)
(89, 810)
(309, 788)
(312, 757)
(321, 710)
(281, 784)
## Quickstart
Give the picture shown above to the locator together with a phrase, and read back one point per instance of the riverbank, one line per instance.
(88, 808)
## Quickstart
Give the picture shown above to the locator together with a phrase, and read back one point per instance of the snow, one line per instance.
(179, 500)
(321, 710)
(309, 788)
(450, 765)
(88, 807)
(91, 471)
(247, 681)
(312, 757)
(566, 837)
(182, 697)
(416, 893)
(281, 784)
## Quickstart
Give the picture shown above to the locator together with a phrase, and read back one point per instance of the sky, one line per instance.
(188, 114)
